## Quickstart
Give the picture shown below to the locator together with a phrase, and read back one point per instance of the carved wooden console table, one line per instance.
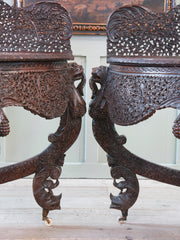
(34, 74)
(143, 49)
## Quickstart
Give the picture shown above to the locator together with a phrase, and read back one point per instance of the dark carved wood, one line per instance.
(34, 74)
(36, 30)
(129, 189)
(134, 31)
(143, 76)
(52, 159)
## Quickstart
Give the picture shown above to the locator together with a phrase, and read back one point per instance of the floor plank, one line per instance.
(85, 212)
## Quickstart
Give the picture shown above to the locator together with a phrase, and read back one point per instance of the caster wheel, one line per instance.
(48, 222)
(121, 220)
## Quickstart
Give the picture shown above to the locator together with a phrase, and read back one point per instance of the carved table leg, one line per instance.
(124, 164)
(35, 74)
(51, 161)
(47, 165)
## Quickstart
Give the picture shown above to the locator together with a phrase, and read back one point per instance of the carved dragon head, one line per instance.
(98, 106)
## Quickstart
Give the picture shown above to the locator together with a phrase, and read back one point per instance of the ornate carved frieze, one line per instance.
(43, 88)
(135, 93)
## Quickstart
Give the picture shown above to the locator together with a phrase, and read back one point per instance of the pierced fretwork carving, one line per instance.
(140, 92)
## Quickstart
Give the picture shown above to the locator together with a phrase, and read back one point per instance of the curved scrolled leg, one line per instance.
(51, 161)
(129, 189)
(112, 143)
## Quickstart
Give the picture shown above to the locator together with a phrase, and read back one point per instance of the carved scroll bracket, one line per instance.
(126, 181)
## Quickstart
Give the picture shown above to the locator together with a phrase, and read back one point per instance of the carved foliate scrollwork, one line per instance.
(42, 88)
(44, 27)
(143, 51)
(134, 31)
(43, 186)
(52, 18)
(52, 159)
(34, 74)
(132, 94)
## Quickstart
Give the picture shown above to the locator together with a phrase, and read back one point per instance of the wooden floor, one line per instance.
(85, 212)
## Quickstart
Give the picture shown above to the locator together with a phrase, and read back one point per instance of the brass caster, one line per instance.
(121, 220)
(48, 221)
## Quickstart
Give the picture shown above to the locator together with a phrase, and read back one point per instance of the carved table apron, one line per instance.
(34, 74)
(143, 76)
